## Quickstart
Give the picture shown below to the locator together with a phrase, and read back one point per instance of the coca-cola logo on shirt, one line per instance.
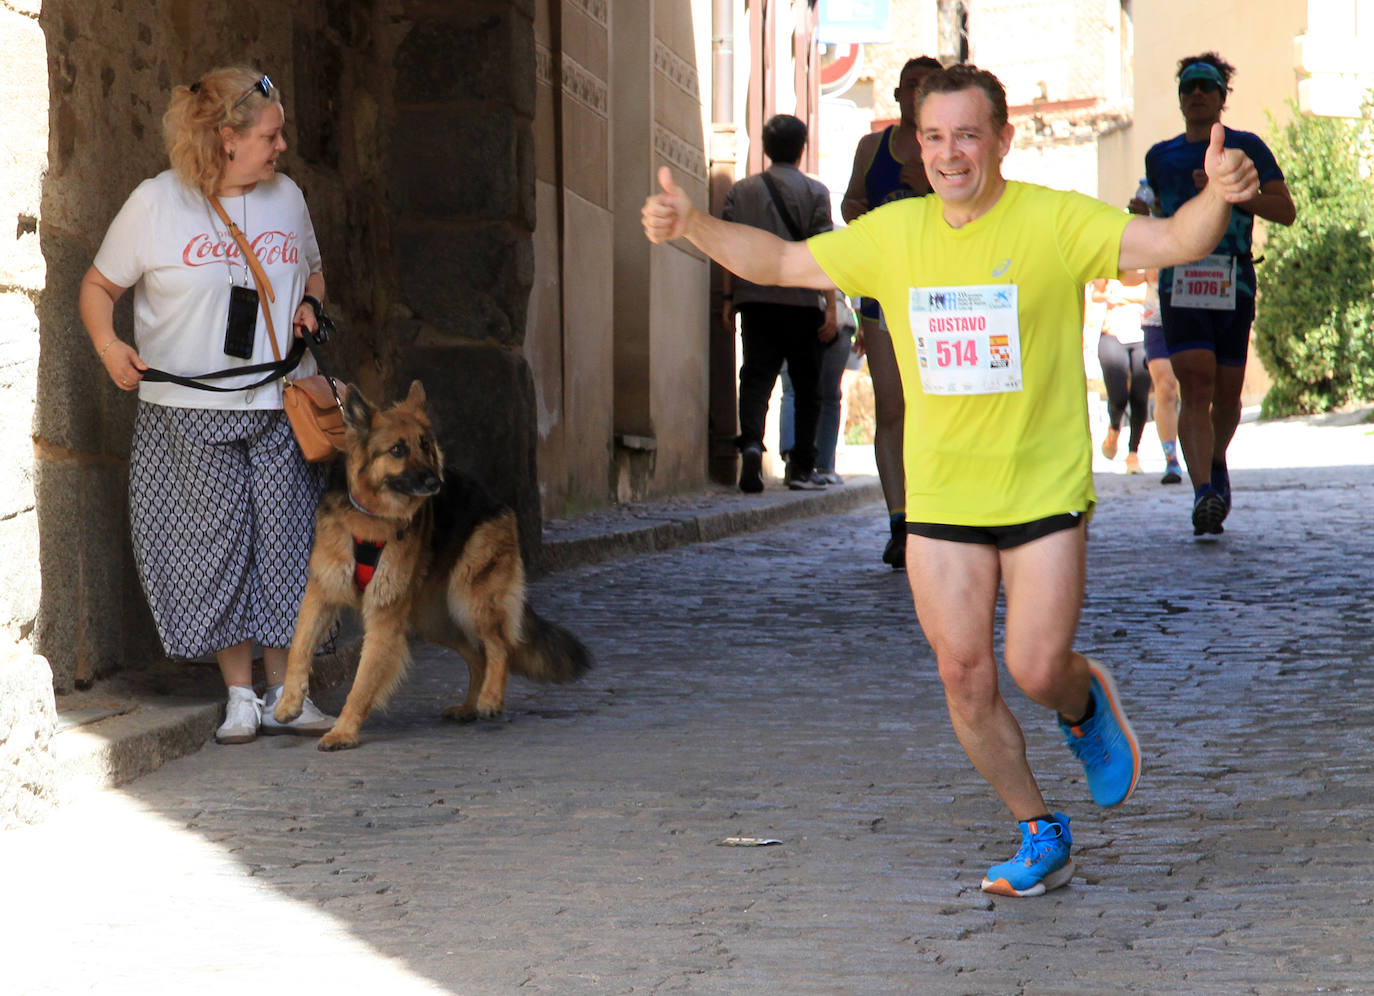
(270, 247)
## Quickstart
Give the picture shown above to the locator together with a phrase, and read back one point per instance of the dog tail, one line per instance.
(550, 652)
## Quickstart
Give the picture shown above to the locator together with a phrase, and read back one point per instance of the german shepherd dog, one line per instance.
(413, 546)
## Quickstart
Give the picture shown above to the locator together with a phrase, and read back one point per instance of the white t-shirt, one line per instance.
(169, 245)
(1123, 321)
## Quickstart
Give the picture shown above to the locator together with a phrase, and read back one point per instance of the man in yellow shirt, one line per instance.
(983, 288)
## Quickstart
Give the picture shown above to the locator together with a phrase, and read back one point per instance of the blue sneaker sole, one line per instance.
(1108, 684)
(1060, 876)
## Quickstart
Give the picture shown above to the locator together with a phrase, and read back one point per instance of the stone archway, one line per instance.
(411, 135)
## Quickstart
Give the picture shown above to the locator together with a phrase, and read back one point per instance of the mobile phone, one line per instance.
(242, 322)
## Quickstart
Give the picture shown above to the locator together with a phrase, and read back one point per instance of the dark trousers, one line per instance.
(1127, 380)
(771, 334)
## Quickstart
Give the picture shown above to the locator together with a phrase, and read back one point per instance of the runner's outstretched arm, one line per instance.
(1273, 203)
(1200, 222)
(752, 253)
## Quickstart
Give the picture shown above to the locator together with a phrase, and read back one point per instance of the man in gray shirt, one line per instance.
(780, 324)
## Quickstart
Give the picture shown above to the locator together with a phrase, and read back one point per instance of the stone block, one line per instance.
(18, 376)
(482, 400)
(351, 21)
(467, 281)
(28, 722)
(91, 613)
(457, 164)
(79, 410)
(23, 103)
(318, 96)
(21, 582)
(477, 54)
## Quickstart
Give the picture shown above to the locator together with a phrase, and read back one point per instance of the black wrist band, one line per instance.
(314, 303)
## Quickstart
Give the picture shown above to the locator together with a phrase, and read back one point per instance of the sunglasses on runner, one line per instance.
(1205, 85)
(262, 86)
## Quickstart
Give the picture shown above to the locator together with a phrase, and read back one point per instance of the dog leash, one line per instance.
(281, 366)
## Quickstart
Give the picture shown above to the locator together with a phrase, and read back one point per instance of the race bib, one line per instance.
(968, 340)
(1208, 283)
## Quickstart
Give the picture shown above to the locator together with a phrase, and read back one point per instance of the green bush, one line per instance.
(1314, 328)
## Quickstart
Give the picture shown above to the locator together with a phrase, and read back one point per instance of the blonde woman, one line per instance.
(221, 502)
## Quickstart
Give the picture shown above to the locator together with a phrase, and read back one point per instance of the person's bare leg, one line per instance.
(236, 664)
(1166, 400)
(274, 664)
(1229, 382)
(1044, 595)
(889, 410)
(1196, 372)
(954, 588)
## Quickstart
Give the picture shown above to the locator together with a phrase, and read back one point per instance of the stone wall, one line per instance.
(23, 95)
(27, 707)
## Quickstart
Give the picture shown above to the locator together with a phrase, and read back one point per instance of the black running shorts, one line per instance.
(1002, 537)
(1224, 333)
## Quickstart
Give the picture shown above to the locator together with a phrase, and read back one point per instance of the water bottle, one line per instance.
(1144, 194)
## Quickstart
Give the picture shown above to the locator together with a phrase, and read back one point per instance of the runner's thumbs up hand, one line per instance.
(1230, 172)
(665, 214)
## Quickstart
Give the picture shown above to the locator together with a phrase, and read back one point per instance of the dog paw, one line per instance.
(461, 714)
(491, 707)
(286, 712)
(337, 741)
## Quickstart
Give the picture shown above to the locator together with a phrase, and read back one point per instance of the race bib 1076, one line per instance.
(968, 339)
(1209, 283)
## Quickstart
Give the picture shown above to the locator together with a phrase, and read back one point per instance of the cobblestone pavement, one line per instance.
(774, 685)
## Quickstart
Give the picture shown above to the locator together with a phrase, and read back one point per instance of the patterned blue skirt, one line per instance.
(222, 510)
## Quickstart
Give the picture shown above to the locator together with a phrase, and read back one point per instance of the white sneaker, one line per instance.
(310, 723)
(242, 714)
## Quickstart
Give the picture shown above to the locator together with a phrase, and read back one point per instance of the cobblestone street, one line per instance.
(775, 685)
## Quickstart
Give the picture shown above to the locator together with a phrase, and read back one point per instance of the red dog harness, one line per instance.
(365, 557)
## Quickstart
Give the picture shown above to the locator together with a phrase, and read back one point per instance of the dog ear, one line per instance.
(358, 411)
(416, 397)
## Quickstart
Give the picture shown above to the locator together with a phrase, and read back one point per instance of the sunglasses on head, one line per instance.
(1206, 86)
(262, 86)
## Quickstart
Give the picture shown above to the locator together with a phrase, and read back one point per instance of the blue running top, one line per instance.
(881, 186)
(881, 182)
(1169, 167)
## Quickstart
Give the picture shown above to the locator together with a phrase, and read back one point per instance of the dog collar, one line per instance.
(359, 505)
(400, 533)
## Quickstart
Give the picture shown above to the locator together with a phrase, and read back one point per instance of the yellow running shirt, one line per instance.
(986, 323)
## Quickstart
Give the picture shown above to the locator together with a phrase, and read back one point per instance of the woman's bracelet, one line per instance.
(314, 303)
(105, 349)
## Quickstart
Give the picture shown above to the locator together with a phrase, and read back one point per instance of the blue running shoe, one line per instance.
(1105, 743)
(1042, 863)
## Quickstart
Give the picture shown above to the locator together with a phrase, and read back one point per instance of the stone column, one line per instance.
(571, 325)
(661, 292)
(460, 182)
